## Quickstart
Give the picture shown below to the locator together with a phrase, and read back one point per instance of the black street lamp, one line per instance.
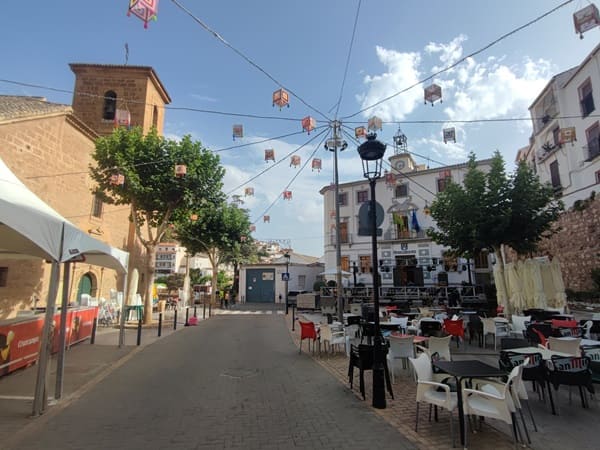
(371, 153)
(287, 278)
(354, 271)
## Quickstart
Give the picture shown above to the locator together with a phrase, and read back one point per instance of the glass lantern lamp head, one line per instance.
(371, 153)
(287, 257)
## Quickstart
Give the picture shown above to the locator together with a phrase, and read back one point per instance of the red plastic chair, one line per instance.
(543, 340)
(455, 328)
(564, 323)
(308, 331)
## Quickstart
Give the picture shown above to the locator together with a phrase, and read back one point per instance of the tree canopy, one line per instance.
(491, 209)
(139, 170)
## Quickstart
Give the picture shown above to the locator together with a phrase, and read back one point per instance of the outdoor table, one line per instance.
(416, 339)
(546, 353)
(460, 370)
(388, 325)
(583, 343)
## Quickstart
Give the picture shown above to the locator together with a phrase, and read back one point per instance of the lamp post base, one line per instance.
(378, 375)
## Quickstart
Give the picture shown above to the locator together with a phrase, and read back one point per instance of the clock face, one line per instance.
(400, 165)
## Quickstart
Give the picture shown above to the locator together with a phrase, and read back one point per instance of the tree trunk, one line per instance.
(150, 267)
(214, 279)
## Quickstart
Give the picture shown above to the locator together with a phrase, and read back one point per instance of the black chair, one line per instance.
(361, 357)
(593, 352)
(475, 328)
(533, 337)
(569, 371)
(353, 320)
(535, 371)
(431, 328)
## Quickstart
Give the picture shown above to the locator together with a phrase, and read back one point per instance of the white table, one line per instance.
(583, 343)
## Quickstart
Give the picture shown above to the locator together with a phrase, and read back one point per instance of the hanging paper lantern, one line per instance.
(316, 164)
(567, 135)
(332, 213)
(281, 98)
(309, 124)
(194, 217)
(122, 118)
(243, 238)
(237, 199)
(252, 227)
(585, 19)
(267, 219)
(390, 179)
(332, 226)
(432, 94)
(375, 123)
(117, 179)
(238, 131)
(449, 135)
(249, 191)
(400, 141)
(287, 195)
(360, 132)
(180, 170)
(269, 155)
(144, 9)
(295, 161)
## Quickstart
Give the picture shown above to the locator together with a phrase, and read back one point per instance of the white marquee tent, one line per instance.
(29, 228)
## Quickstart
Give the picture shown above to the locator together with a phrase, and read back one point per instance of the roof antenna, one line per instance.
(126, 53)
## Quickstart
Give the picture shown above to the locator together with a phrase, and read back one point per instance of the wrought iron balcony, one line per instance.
(392, 234)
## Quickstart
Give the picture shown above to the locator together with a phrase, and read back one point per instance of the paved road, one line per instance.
(236, 381)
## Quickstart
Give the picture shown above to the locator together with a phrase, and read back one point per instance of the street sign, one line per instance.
(285, 276)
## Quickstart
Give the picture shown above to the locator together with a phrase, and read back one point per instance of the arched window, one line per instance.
(155, 117)
(110, 105)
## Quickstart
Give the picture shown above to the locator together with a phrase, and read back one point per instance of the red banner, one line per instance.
(20, 340)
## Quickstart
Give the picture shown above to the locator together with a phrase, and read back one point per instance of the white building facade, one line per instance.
(564, 149)
(405, 254)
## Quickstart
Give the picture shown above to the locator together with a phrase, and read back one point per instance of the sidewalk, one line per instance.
(85, 365)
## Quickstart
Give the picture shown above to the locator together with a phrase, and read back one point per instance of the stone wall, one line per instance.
(577, 244)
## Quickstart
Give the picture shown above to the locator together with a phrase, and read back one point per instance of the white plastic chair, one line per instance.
(519, 324)
(429, 391)
(401, 321)
(497, 329)
(351, 337)
(568, 346)
(488, 402)
(332, 337)
(587, 328)
(401, 348)
(441, 346)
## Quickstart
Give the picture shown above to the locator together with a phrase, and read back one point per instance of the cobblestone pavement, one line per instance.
(573, 428)
(235, 381)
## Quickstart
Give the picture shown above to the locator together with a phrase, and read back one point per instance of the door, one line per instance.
(260, 285)
(85, 286)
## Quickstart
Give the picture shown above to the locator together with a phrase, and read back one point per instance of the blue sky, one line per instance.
(304, 46)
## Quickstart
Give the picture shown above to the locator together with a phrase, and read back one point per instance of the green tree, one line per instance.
(218, 233)
(492, 209)
(150, 186)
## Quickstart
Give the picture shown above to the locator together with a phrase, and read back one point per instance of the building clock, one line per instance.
(400, 165)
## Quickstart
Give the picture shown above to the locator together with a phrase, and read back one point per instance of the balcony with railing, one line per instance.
(345, 238)
(393, 234)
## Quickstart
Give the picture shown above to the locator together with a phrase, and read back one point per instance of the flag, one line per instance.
(399, 220)
(415, 222)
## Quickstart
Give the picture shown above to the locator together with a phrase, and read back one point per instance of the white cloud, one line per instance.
(401, 71)
(448, 53)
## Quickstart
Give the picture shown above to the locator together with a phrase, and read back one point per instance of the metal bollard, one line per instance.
(159, 324)
(195, 315)
(204, 311)
(175, 319)
(139, 332)
(293, 317)
(187, 316)
(209, 309)
(94, 326)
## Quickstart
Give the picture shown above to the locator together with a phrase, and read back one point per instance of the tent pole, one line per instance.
(60, 361)
(40, 398)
